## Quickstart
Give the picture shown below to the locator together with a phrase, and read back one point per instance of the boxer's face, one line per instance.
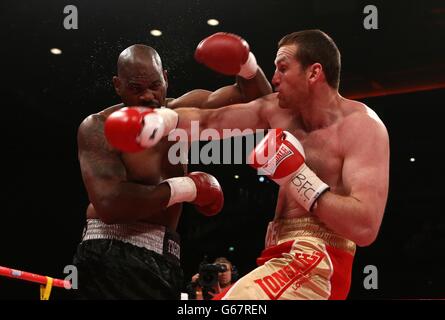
(142, 85)
(289, 79)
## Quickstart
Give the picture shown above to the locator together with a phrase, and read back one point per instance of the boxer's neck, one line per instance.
(322, 108)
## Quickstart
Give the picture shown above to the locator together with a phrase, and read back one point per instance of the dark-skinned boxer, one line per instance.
(130, 249)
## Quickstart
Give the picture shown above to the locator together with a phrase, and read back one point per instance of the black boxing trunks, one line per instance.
(128, 261)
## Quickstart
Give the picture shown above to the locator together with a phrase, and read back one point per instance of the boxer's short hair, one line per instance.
(316, 46)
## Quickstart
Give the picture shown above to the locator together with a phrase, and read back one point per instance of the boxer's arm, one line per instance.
(228, 54)
(243, 91)
(252, 115)
(358, 213)
(115, 199)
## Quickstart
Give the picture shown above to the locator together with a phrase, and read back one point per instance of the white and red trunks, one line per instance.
(302, 260)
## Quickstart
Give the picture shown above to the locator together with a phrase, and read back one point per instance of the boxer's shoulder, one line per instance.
(194, 98)
(271, 110)
(92, 127)
(271, 98)
(170, 103)
(268, 103)
(98, 119)
(357, 114)
(360, 120)
(90, 131)
(106, 112)
(92, 122)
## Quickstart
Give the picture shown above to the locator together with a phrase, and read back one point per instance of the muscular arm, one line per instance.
(115, 199)
(358, 214)
(252, 115)
(243, 91)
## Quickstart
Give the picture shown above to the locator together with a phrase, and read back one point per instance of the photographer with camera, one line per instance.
(211, 279)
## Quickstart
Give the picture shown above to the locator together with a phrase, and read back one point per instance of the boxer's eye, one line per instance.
(155, 85)
(136, 89)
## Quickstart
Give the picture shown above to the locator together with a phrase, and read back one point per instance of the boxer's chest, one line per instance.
(324, 154)
(152, 166)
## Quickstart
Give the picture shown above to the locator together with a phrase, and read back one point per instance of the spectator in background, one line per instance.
(211, 279)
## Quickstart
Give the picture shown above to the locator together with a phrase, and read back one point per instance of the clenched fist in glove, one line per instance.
(228, 54)
(136, 128)
(198, 188)
(281, 157)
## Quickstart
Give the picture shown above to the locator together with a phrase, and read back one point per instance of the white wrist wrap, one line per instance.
(170, 118)
(182, 189)
(250, 68)
(305, 187)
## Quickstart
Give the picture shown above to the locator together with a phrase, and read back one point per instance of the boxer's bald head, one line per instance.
(136, 57)
(141, 79)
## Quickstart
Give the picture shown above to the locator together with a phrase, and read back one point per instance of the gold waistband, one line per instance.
(289, 229)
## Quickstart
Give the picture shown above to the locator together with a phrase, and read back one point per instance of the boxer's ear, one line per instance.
(315, 72)
(117, 85)
(165, 73)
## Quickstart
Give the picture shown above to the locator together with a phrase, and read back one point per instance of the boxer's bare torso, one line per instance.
(325, 148)
(149, 167)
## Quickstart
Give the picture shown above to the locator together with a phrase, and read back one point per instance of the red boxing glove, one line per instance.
(281, 157)
(228, 54)
(209, 196)
(278, 155)
(198, 188)
(137, 128)
(123, 126)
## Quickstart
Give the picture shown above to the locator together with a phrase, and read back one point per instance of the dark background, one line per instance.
(398, 70)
